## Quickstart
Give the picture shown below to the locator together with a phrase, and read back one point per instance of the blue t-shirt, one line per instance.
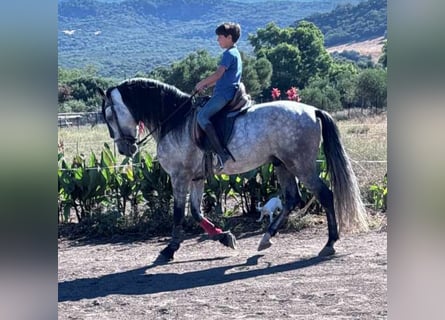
(228, 83)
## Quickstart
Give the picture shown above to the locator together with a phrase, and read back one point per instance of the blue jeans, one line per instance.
(215, 104)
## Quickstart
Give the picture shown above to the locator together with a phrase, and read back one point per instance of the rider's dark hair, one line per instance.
(229, 28)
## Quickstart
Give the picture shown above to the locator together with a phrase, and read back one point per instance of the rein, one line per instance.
(144, 140)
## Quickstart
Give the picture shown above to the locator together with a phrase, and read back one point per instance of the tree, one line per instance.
(383, 58)
(257, 75)
(72, 106)
(371, 88)
(321, 94)
(186, 73)
(269, 37)
(315, 60)
(80, 85)
(84, 88)
(297, 53)
(343, 77)
(286, 61)
(63, 93)
(263, 68)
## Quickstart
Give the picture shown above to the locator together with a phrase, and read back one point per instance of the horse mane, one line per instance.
(155, 103)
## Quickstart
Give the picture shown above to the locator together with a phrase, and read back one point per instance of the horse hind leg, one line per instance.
(291, 198)
(325, 196)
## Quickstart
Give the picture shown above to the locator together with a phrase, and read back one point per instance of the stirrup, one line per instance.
(220, 162)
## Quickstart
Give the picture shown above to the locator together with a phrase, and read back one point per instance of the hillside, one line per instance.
(348, 23)
(372, 47)
(123, 38)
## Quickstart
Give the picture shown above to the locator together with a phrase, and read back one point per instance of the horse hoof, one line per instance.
(326, 252)
(165, 255)
(265, 242)
(161, 259)
(229, 240)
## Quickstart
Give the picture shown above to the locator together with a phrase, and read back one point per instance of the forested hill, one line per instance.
(121, 38)
(349, 23)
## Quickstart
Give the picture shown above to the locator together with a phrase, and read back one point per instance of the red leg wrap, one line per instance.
(209, 227)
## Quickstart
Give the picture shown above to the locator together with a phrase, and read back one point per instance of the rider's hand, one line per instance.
(200, 87)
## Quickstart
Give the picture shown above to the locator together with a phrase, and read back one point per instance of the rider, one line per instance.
(226, 80)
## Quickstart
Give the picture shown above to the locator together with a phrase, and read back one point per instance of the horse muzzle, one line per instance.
(126, 148)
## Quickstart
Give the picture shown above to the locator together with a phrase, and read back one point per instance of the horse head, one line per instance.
(121, 124)
(158, 106)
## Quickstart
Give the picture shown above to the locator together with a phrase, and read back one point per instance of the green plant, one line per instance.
(379, 193)
(80, 185)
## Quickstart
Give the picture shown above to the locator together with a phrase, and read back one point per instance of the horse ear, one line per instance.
(101, 92)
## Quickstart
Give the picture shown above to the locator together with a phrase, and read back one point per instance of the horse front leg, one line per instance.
(180, 189)
(215, 233)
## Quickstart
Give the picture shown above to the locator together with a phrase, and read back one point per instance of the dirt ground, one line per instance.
(209, 281)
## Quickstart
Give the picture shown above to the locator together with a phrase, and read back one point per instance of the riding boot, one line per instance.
(221, 153)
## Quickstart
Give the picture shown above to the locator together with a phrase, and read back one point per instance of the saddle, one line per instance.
(223, 121)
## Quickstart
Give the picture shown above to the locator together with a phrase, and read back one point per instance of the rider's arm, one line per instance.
(211, 80)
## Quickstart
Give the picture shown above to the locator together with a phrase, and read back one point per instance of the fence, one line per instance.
(78, 119)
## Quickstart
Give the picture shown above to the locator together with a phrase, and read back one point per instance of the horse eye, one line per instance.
(109, 116)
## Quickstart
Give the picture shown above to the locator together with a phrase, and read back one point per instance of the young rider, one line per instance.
(226, 80)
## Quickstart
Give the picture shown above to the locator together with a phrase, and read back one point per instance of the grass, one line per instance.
(83, 140)
(365, 141)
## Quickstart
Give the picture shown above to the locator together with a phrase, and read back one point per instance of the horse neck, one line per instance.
(179, 135)
(170, 113)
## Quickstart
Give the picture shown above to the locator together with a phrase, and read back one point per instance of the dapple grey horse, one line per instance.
(286, 133)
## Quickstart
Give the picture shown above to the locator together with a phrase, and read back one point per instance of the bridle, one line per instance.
(122, 136)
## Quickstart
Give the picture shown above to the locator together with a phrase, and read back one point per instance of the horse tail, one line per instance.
(349, 208)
